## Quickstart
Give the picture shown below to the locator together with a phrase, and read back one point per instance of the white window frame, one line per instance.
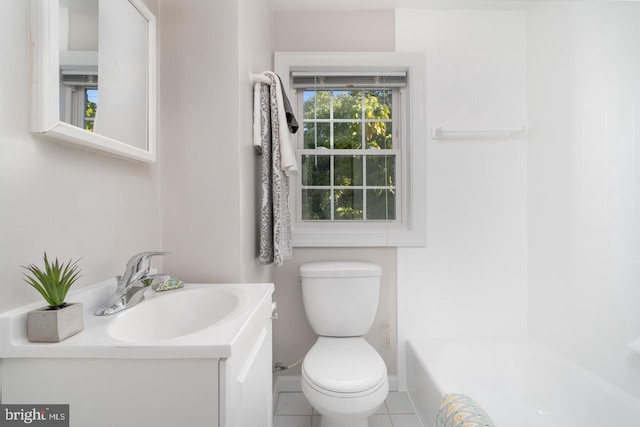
(410, 228)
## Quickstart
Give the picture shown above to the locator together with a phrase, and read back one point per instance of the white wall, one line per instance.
(470, 280)
(333, 31)
(209, 188)
(584, 165)
(65, 201)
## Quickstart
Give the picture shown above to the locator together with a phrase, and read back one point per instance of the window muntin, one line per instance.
(350, 161)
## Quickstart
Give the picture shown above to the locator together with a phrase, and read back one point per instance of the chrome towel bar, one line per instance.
(441, 133)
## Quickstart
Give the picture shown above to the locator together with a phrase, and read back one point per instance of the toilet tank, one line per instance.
(340, 297)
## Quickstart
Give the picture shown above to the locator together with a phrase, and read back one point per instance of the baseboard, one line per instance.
(291, 384)
(287, 383)
(394, 383)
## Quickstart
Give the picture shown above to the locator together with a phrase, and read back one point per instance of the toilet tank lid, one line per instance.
(340, 269)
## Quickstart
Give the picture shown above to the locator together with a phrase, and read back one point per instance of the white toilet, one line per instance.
(343, 377)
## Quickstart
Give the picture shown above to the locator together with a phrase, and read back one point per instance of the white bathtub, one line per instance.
(519, 383)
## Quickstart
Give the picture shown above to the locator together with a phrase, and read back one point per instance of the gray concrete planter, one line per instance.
(49, 325)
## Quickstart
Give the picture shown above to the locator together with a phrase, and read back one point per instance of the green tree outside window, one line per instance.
(354, 186)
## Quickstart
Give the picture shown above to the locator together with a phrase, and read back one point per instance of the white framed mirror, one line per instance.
(94, 75)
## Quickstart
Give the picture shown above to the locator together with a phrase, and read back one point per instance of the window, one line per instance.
(79, 96)
(90, 108)
(356, 184)
(349, 156)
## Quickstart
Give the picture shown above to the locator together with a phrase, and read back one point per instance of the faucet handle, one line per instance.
(140, 263)
(144, 257)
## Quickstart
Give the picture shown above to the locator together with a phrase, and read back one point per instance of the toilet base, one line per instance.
(345, 412)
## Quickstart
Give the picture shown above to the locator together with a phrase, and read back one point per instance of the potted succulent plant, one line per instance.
(59, 320)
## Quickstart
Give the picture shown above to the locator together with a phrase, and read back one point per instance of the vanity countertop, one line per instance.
(215, 341)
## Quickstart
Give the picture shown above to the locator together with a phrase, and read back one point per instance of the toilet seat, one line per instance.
(346, 367)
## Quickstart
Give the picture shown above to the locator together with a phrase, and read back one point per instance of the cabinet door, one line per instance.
(117, 392)
(246, 384)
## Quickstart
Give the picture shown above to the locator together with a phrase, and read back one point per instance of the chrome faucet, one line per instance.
(132, 284)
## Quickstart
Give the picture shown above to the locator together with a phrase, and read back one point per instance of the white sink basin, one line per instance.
(175, 313)
(201, 320)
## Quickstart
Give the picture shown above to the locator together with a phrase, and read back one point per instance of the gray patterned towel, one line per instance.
(275, 214)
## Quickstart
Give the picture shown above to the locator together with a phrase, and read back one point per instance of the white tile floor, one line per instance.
(293, 410)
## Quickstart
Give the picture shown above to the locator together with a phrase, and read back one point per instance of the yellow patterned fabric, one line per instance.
(459, 410)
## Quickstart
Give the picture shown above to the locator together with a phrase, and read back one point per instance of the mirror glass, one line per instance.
(94, 68)
(78, 44)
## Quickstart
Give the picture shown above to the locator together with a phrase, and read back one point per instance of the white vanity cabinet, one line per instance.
(118, 392)
(246, 381)
(214, 378)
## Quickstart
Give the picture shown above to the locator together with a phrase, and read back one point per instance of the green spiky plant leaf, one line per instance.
(54, 281)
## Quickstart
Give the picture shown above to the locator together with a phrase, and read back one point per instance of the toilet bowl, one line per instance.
(343, 376)
(345, 380)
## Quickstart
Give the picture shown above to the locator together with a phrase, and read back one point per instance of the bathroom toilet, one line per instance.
(343, 376)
